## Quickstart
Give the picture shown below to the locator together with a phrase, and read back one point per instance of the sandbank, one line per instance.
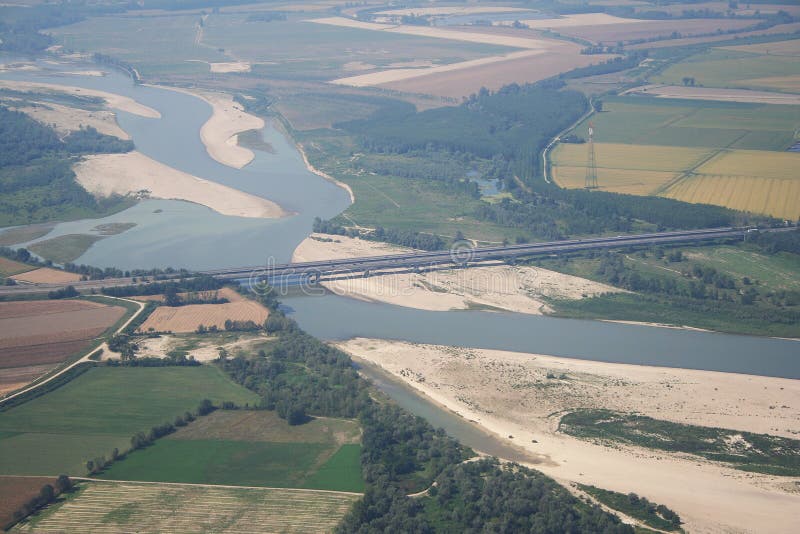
(69, 119)
(499, 287)
(115, 101)
(497, 389)
(136, 174)
(219, 133)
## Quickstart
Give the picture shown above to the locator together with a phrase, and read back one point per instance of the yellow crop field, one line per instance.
(751, 180)
(188, 318)
(631, 182)
(631, 157)
(178, 508)
(621, 168)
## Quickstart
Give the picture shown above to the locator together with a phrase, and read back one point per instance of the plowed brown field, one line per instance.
(14, 491)
(37, 335)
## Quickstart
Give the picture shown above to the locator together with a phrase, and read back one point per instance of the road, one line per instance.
(82, 359)
(465, 257)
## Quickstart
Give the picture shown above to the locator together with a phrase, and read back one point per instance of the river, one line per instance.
(180, 234)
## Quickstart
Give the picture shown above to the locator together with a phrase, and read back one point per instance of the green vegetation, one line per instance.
(732, 68)
(245, 463)
(36, 179)
(485, 496)
(673, 122)
(100, 410)
(65, 248)
(737, 289)
(760, 453)
(651, 514)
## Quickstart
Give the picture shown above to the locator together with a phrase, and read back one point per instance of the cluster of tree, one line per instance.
(299, 374)
(87, 140)
(405, 238)
(774, 242)
(449, 170)
(651, 514)
(95, 273)
(36, 178)
(63, 293)
(241, 326)
(111, 61)
(172, 359)
(48, 494)
(266, 16)
(514, 122)
(185, 284)
(606, 67)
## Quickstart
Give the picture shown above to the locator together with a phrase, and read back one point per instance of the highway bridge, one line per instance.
(463, 256)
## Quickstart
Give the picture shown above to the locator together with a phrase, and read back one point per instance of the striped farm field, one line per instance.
(111, 507)
(757, 181)
(623, 168)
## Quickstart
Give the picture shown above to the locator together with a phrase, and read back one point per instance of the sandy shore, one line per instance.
(220, 132)
(510, 395)
(502, 287)
(325, 175)
(134, 173)
(115, 101)
(67, 119)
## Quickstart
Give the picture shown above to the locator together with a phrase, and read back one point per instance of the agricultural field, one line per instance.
(100, 410)
(46, 275)
(22, 234)
(252, 448)
(747, 67)
(11, 267)
(15, 491)
(189, 317)
(35, 336)
(111, 507)
(724, 153)
(633, 29)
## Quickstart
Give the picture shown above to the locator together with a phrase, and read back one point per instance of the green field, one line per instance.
(243, 463)
(100, 410)
(644, 120)
(719, 67)
(252, 448)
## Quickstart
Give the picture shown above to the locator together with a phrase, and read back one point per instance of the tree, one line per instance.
(171, 297)
(205, 407)
(63, 483)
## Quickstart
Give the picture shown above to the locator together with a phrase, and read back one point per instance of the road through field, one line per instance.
(82, 359)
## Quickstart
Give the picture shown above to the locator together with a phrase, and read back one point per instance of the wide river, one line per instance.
(171, 233)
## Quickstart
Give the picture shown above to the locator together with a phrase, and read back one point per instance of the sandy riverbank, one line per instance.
(220, 132)
(113, 100)
(325, 175)
(499, 391)
(501, 287)
(133, 173)
(68, 119)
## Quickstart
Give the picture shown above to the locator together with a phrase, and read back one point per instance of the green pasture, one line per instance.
(243, 463)
(102, 409)
(672, 122)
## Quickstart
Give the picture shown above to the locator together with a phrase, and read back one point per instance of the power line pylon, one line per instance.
(591, 164)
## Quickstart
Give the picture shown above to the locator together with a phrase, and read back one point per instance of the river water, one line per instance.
(180, 234)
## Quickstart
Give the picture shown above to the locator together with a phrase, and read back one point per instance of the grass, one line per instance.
(100, 410)
(649, 513)
(746, 451)
(112, 506)
(65, 248)
(22, 234)
(401, 203)
(721, 67)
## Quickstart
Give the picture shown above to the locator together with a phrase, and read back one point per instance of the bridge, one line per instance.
(315, 271)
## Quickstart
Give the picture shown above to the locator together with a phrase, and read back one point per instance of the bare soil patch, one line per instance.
(46, 275)
(14, 378)
(188, 318)
(15, 491)
(639, 29)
